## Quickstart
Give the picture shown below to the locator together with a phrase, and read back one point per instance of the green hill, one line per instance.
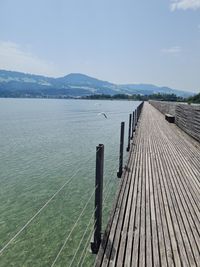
(18, 84)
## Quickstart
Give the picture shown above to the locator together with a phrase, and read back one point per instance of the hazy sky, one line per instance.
(122, 41)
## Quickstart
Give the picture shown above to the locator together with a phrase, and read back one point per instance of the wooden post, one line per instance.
(140, 108)
(119, 173)
(129, 132)
(95, 244)
(133, 124)
(135, 117)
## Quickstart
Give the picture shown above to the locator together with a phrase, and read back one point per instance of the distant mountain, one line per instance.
(147, 89)
(18, 84)
(81, 79)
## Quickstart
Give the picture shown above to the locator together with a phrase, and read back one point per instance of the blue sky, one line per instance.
(122, 41)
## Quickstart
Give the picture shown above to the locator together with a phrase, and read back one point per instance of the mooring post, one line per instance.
(121, 151)
(133, 124)
(140, 109)
(135, 117)
(129, 132)
(95, 243)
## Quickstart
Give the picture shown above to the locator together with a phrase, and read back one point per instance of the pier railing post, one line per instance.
(129, 132)
(119, 173)
(140, 109)
(135, 117)
(137, 114)
(95, 244)
(133, 124)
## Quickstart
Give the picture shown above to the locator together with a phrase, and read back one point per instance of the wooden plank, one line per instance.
(126, 231)
(182, 219)
(161, 244)
(131, 231)
(156, 219)
(176, 174)
(180, 207)
(175, 222)
(142, 237)
(104, 248)
(136, 240)
(108, 249)
(158, 249)
(121, 232)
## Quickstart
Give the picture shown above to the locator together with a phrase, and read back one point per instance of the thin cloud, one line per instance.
(184, 4)
(14, 57)
(172, 50)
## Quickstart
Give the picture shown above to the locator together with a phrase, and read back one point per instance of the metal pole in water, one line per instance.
(95, 243)
(119, 173)
(129, 132)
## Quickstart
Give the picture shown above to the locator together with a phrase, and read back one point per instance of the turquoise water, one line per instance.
(43, 144)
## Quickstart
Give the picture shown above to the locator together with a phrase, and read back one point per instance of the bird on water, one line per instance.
(102, 113)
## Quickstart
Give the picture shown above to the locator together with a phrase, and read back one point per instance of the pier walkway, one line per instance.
(156, 217)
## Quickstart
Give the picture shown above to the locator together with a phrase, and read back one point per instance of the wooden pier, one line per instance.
(156, 217)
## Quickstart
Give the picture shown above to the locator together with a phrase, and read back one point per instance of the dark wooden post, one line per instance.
(129, 132)
(135, 117)
(140, 108)
(133, 124)
(95, 244)
(119, 173)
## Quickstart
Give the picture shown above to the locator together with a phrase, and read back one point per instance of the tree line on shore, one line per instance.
(194, 99)
(160, 97)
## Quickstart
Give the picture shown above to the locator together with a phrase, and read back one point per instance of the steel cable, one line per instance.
(42, 208)
(75, 224)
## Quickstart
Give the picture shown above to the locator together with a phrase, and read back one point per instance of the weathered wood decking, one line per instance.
(156, 219)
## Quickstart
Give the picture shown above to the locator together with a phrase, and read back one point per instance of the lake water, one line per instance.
(43, 144)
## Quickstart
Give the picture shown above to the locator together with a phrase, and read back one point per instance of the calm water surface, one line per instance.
(43, 143)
